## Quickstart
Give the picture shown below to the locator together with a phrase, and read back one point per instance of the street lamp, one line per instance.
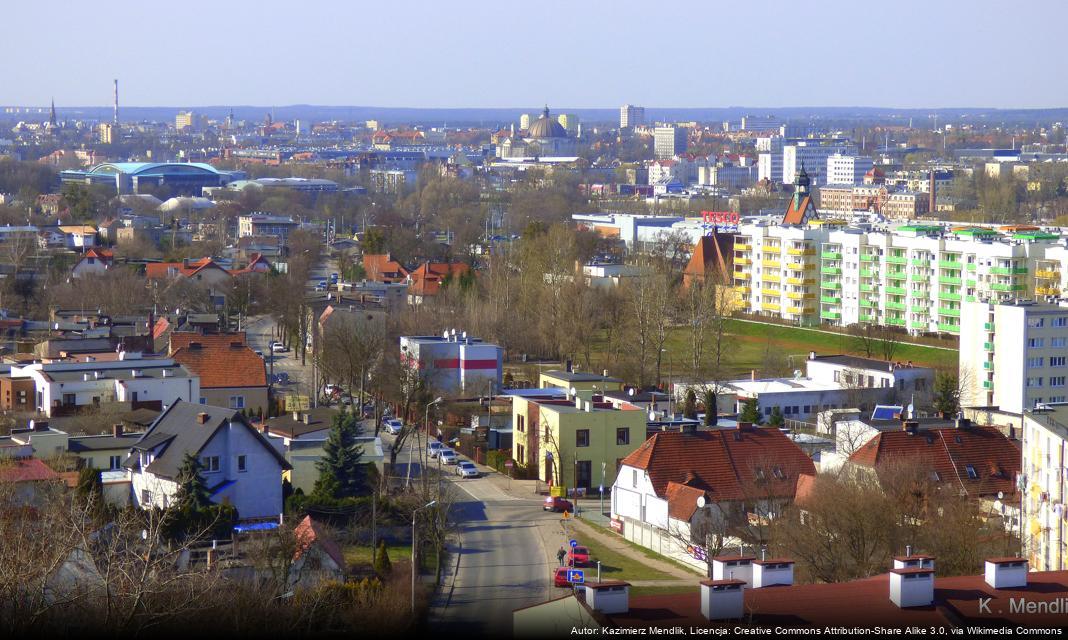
(414, 546)
(423, 454)
(669, 382)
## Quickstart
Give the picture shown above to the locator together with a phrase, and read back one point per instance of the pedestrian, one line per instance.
(560, 555)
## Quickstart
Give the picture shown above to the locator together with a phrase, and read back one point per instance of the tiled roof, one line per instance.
(158, 270)
(380, 267)
(682, 500)
(728, 464)
(796, 214)
(309, 532)
(27, 470)
(949, 452)
(220, 360)
(426, 280)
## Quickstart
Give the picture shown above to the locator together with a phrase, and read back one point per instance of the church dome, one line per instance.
(546, 127)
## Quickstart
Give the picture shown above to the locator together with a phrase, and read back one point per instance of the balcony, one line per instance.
(948, 328)
(830, 315)
(800, 310)
(918, 309)
(867, 257)
(948, 280)
(971, 266)
(1047, 291)
(896, 275)
(1008, 271)
(743, 261)
(896, 260)
(772, 277)
(868, 318)
(988, 384)
(955, 297)
(900, 306)
(948, 311)
(830, 300)
(989, 326)
(772, 249)
(897, 291)
(774, 293)
(831, 255)
(801, 281)
(920, 262)
(867, 288)
(988, 365)
(988, 346)
(742, 246)
(867, 273)
(916, 277)
(807, 251)
(897, 322)
(771, 264)
(799, 266)
(869, 303)
(743, 290)
(947, 264)
(770, 306)
(916, 324)
(800, 295)
(832, 271)
(1047, 274)
(830, 284)
(998, 286)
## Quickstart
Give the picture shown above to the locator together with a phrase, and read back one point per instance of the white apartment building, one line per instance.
(630, 116)
(813, 156)
(769, 159)
(1014, 355)
(1043, 481)
(914, 277)
(728, 177)
(847, 169)
(669, 141)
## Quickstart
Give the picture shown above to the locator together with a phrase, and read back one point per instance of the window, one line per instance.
(1056, 381)
(146, 496)
(1059, 322)
(203, 401)
(634, 478)
(237, 402)
(1036, 322)
(1036, 343)
(584, 473)
(242, 463)
(1035, 362)
(69, 399)
(1058, 342)
(519, 451)
(521, 424)
(211, 464)
(582, 438)
(623, 436)
(1034, 382)
(972, 475)
(1057, 361)
(115, 462)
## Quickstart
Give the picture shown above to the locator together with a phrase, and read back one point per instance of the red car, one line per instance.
(578, 557)
(560, 577)
(553, 503)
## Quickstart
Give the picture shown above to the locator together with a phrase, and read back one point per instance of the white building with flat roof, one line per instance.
(847, 169)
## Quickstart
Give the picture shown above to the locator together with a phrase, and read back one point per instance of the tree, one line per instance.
(341, 473)
(750, 412)
(776, 419)
(689, 405)
(946, 399)
(193, 494)
(383, 567)
(711, 407)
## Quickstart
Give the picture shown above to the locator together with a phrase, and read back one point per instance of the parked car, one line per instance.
(278, 347)
(433, 448)
(259, 353)
(578, 556)
(332, 390)
(467, 469)
(560, 577)
(320, 287)
(448, 456)
(393, 426)
(554, 503)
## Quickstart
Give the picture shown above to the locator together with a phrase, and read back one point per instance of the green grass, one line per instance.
(648, 553)
(615, 565)
(662, 591)
(363, 554)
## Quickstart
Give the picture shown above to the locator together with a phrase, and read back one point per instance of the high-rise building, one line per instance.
(1044, 484)
(630, 116)
(844, 169)
(570, 123)
(184, 120)
(669, 141)
(813, 156)
(106, 132)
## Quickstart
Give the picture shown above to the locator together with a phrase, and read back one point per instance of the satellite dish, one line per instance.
(630, 392)
(652, 415)
(574, 391)
(1001, 495)
(701, 502)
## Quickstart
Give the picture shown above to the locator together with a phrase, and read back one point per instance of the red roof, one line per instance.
(309, 532)
(426, 280)
(380, 267)
(160, 270)
(949, 452)
(221, 361)
(797, 210)
(727, 464)
(26, 470)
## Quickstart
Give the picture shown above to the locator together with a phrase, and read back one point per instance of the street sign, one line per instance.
(508, 463)
(576, 576)
(297, 403)
(573, 543)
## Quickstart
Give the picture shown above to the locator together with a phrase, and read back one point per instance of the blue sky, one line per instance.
(574, 54)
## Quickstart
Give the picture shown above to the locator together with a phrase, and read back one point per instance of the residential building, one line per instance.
(1014, 354)
(265, 224)
(454, 364)
(428, 278)
(61, 388)
(239, 466)
(669, 141)
(79, 236)
(231, 374)
(1044, 482)
(568, 380)
(317, 558)
(631, 116)
(93, 262)
(106, 452)
(575, 441)
(723, 478)
(812, 156)
(383, 268)
(847, 169)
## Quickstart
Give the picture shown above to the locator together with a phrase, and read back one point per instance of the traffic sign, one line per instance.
(575, 576)
(508, 463)
(573, 543)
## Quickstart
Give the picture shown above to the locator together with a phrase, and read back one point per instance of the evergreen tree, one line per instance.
(776, 419)
(946, 394)
(192, 495)
(340, 470)
(382, 565)
(750, 412)
(689, 405)
(710, 408)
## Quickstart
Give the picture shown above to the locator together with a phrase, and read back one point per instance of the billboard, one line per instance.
(725, 221)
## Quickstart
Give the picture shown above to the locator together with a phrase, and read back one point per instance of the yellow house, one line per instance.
(568, 380)
(577, 440)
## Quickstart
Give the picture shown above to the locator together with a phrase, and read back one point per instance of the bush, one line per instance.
(382, 565)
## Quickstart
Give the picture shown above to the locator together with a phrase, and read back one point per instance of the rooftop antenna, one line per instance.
(115, 114)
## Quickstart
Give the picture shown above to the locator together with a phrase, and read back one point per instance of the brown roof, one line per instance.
(727, 464)
(427, 279)
(221, 361)
(27, 470)
(380, 267)
(310, 532)
(706, 259)
(160, 270)
(949, 452)
(682, 500)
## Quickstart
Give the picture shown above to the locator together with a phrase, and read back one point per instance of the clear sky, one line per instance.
(574, 53)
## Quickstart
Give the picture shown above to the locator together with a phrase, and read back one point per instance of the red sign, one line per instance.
(720, 217)
(508, 463)
(617, 525)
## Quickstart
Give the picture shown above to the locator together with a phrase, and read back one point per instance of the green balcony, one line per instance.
(988, 384)
(897, 322)
(830, 300)
(830, 284)
(971, 266)
(867, 273)
(915, 277)
(969, 283)
(920, 263)
(831, 255)
(943, 295)
(867, 288)
(948, 328)
(949, 280)
(949, 311)
(897, 275)
(918, 309)
(950, 264)
(989, 326)
(988, 365)
(830, 315)
(988, 346)
(868, 318)
(1008, 271)
(896, 260)
(900, 306)
(866, 257)
(997, 286)
(898, 291)
(918, 325)
(869, 303)
(970, 298)
(831, 271)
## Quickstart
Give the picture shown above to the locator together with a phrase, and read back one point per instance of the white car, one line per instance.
(278, 347)
(448, 456)
(467, 469)
(393, 426)
(433, 448)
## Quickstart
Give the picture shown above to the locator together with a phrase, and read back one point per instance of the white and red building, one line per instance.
(455, 363)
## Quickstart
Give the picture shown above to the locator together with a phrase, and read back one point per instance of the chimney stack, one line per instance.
(202, 418)
(305, 418)
(296, 416)
(116, 430)
(768, 572)
(733, 567)
(1006, 573)
(912, 587)
(610, 596)
(722, 599)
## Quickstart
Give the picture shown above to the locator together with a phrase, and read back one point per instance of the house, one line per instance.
(317, 557)
(297, 425)
(25, 476)
(239, 466)
(976, 460)
(382, 268)
(93, 262)
(205, 271)
(712, 260)
(106, 452)
(78, 236)
(428, 279)
(556, 379)
(231, 374)
(725, 479)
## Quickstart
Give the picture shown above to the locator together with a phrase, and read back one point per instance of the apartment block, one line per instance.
(1045, 474)
(846, 169)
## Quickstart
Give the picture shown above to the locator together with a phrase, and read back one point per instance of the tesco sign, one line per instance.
(721, 217)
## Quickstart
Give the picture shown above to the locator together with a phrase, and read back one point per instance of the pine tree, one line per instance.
(192, 495)
(689, 405)
(776, 419)
(710, 408)
(341, 459)
(750, 412)
(382, 565)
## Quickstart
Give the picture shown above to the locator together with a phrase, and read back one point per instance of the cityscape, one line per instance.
(630, 359)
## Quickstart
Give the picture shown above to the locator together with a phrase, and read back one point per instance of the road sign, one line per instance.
(297, 403)
(508, 463)
(573, 543)
(575, 576)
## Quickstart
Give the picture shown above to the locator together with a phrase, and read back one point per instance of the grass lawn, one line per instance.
(356, 554)
(662, 591)
(618, 566)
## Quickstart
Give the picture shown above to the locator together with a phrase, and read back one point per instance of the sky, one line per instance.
(568, 54)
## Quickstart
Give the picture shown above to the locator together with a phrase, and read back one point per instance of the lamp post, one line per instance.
(415, 546)
(423, 454)
(670, 395)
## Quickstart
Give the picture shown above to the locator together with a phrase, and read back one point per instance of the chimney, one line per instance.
(305, 418)
(912, 587)
(811, 355)
(202, 418)
(87, 376)
(570, 368)
(39, 425)
(914, 561)
(745, 426)
(116, 430)
(932, 201)
(752, 374)
(733, 567)
(689, 428)
(611, 596)
(722, 599)
(296, 416)
(1006, 573)
(910, 426)
(962, 423)
(768, 572)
